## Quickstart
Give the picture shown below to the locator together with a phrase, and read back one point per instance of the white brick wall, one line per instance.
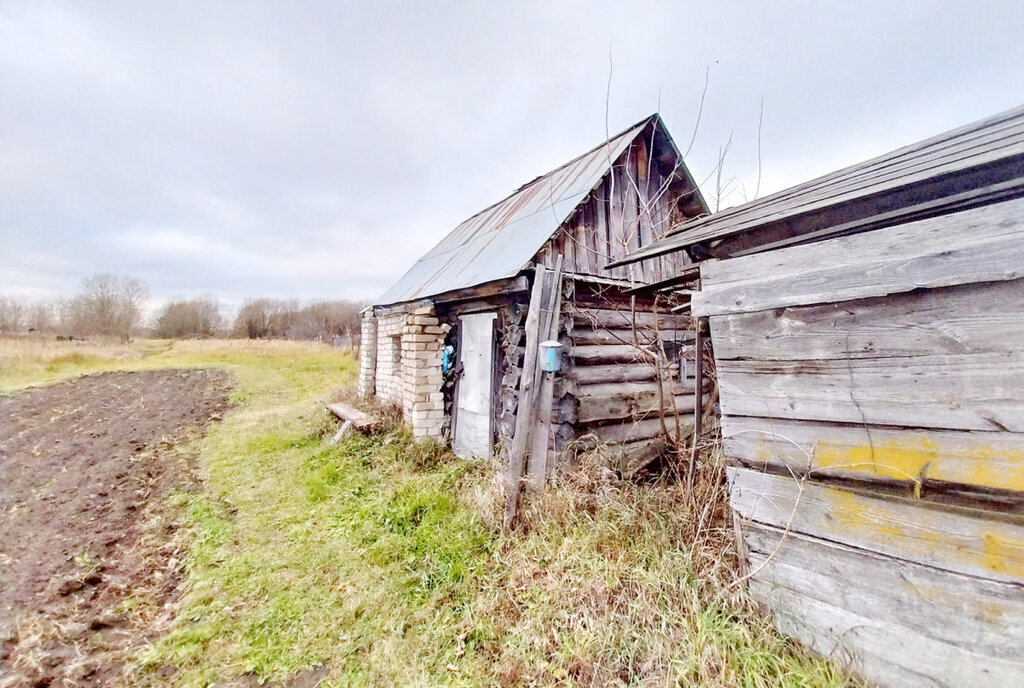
(402, 366)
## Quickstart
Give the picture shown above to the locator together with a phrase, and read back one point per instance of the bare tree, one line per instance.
(108, 305)
(260, 318)
(198, 317)
(13, 315)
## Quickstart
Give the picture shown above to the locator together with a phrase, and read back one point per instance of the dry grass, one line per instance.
(381, 561)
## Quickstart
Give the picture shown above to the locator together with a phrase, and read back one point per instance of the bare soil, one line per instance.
(90, 565)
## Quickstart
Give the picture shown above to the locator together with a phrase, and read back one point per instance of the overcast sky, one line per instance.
(316, 149)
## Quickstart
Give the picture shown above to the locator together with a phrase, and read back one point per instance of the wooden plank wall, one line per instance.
(872, 392)
(645, 194)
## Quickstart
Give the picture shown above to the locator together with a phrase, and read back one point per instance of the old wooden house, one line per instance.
(868, 331)
(449, 342)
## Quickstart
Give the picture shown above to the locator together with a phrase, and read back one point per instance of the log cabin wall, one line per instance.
(625, 359)
(872, 397)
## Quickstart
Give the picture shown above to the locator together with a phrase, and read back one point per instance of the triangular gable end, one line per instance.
(501, 240)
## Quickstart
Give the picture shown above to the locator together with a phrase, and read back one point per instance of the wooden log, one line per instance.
(968, 541)
(611, 353)
(623, 318)
(965, 319)
(604, 374)
(983, 244)
(619, 407)
(587, 336)
(632, 431)
(962, 392)
(632, 457)
(982, 459)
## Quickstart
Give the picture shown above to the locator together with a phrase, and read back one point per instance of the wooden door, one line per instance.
(473, 432)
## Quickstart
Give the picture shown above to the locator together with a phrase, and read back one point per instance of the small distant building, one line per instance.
(868, 330)
(447, 343)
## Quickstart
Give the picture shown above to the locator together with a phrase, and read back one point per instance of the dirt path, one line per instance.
(88, 561)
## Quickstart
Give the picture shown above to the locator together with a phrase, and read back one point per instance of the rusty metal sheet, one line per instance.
(499, 241)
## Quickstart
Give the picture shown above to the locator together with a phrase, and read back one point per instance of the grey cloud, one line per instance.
(317, 149)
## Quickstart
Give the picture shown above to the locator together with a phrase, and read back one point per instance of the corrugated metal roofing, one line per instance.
(499, 241)
(996, 139)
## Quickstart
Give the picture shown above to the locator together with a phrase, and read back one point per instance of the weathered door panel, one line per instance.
(472, 436)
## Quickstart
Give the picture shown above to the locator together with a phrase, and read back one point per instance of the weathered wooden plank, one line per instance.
(977, 615)
(965, 319)
(524, 416)
(349, 413)
(537, 466)
(982, 459)
(978, 245)
(884, 653)
(967, 541)
(962, 392)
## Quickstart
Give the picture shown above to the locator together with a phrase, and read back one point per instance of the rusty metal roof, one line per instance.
(499, 241)
(996, 140)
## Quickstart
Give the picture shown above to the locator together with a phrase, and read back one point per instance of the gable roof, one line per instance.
(499, 241)
(997, 140)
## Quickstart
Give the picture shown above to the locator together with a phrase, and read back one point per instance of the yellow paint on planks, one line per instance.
(874, 521)
(916, 456)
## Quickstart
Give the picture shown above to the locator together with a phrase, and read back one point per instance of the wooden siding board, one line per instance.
(982, 616)
(978, 245)
(966, 319)
(981, 459)
(967, 541)
(963, 392)
(883, 652)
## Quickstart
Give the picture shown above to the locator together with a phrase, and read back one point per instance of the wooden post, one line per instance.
(698, 398)
(538, 462)
(517, 453)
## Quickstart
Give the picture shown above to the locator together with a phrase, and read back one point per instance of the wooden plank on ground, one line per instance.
(965, 319)
(979, 245)
(982, 459)
(964, 391)
(349, 413)
(967, 541)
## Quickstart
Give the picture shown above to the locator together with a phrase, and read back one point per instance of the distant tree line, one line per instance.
(112, 306)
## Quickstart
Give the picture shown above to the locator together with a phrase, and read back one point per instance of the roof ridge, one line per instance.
(608, 140)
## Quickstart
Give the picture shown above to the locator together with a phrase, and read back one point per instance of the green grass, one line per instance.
(378, 560)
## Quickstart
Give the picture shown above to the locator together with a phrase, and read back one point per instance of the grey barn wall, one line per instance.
(872, 397)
